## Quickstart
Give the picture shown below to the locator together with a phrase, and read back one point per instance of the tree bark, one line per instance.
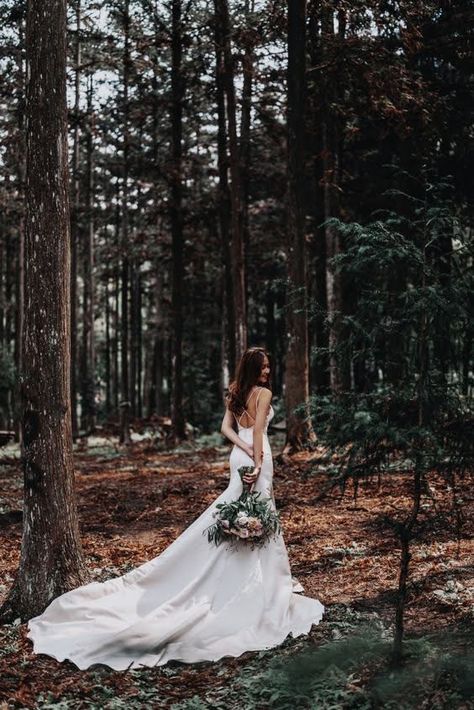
(318, 334)
(223, 199)
(237, 245)
(107, 350)
(331, 167)
(136, 340)
(75, 218)
(124, 341)
(299, 430)
(88, 341)
(176, 215)
(245, 126)
(116, 308)
(51, 559)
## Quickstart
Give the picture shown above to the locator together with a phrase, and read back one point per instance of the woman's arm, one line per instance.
(228, 430)
(263, 403)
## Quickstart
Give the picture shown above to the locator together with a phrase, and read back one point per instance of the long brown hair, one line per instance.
(246, 377)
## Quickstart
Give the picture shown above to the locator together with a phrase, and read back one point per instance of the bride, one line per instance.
(194, 602)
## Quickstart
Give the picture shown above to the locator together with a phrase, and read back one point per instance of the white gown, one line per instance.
(194, 602)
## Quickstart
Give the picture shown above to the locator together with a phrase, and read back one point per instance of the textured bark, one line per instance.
(156, 365)
(331, 130)
(116, 307)
(2, 310)
(136, 341)
(75, 198)
(299, 429)
(124, 343)
(229, 333)
(51, 560)
(176, 215)
(237, 248)
(107, 351)
(20, 270)
(88, 340)
(318, 335)
(245, 126)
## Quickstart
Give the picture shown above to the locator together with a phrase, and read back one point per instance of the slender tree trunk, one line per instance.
(107, 351)
(116, 341)
(466, 360)
(331, 167)
(88, 341)
(159, 349)
(51, 559)
(237, 248)
(125, 384)
(135, 307)
(133, 339)
(299, 429)
(406, 529)
(155, 401)
(2, 299)
(20, 270)
(139, 346)
(75, 197)
(9, 283)
(245, 125)
(319, 377)
(116, 306)
(229, 353)
(176, 215)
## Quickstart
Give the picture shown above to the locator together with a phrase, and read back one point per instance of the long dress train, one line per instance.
(194, 602)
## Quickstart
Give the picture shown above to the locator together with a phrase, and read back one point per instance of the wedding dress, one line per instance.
(194, 602)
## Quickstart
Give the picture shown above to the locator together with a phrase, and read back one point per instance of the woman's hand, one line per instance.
(250, 478)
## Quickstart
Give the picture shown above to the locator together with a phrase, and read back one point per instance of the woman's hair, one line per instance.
(247, 375)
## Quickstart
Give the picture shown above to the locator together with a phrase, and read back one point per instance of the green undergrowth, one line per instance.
(352, 669)
(344, 664)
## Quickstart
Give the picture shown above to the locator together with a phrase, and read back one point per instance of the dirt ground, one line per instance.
(133, 503)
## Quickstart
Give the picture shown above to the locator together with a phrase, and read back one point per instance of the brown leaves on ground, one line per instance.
(343, 551)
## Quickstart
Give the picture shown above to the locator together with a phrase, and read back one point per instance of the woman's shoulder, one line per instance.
(264, 393)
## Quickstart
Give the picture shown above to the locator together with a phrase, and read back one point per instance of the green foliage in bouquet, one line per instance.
(249, 519)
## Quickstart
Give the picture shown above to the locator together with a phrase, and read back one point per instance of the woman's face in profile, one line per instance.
(265, 371)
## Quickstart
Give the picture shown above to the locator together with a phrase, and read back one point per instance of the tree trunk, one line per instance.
(116, 307)
(107, 351)
(229, 332)
(406, 529)
(331, 168)
(237, 250)
(88, 342)
(135, 308)
(319, 368)
(299, 430)
(245, 124)
(176, 215)
(139, 347)
(51, 560)
(125, 384)
(75, 219)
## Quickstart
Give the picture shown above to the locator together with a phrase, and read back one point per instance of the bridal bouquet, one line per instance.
(249, 519)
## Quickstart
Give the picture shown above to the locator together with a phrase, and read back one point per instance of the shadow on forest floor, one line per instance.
(133, 503)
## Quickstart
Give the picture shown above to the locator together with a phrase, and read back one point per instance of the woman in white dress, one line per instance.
(194, 602)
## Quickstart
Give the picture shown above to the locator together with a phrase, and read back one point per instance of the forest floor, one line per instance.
(134, 502)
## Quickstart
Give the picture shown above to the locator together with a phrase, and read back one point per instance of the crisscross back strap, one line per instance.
(247, 404)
